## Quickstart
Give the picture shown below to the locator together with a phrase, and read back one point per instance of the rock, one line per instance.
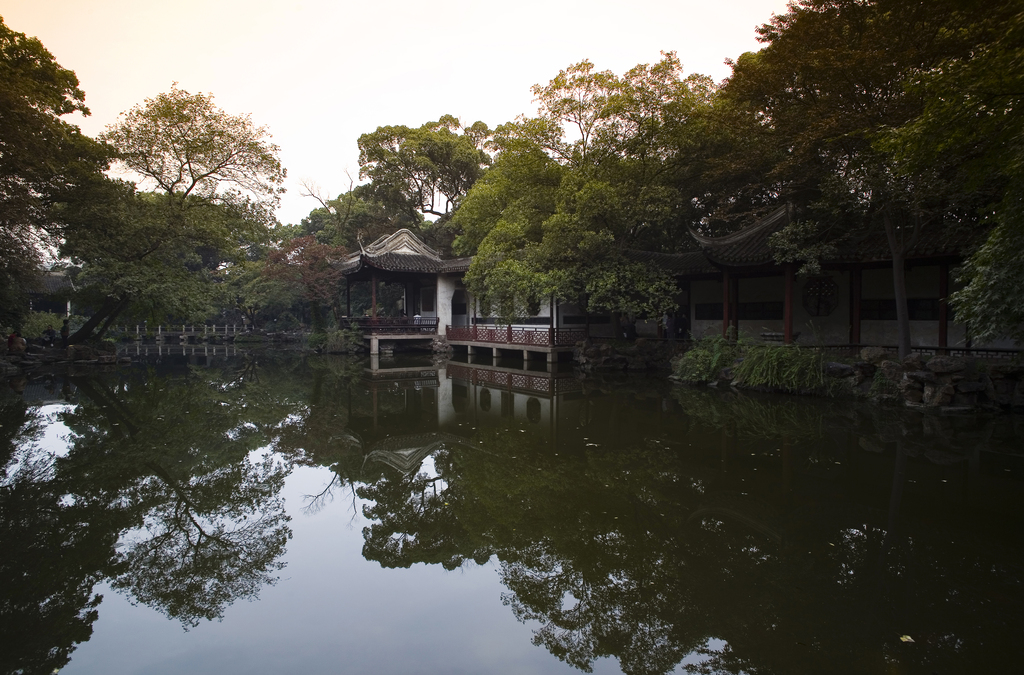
(874, 355)
(870, 445)
(966, 387)
(913, 395)
(913, 362)
(891, 370)
(833, 369)
(81, 353)
(1018, 395)
(106, 358)
(945, 364)
(921, 376)
(125, 360)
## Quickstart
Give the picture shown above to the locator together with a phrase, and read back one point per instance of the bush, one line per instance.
(33, 325)
(706, 359)
(782, 367)
(336, 341)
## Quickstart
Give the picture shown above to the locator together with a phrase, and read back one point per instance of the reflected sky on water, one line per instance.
(296, 514)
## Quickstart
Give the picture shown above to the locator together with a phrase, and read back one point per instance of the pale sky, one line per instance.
(319, 73)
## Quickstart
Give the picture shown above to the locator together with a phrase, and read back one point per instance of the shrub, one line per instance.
(33, 325)
(782, 367)
(706, 358)
(336, 341)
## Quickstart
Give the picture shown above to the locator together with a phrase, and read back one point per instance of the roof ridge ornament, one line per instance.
(402, 242)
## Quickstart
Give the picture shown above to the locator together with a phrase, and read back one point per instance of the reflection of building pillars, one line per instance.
(373, 393)
(895, 498)
(787, 465)
(725, 450)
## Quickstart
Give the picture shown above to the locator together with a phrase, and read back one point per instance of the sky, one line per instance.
(318, 73)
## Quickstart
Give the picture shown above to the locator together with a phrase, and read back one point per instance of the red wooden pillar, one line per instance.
(787, 311)
(734, 307)
(856, 288)
(943, 307)
(726, 297)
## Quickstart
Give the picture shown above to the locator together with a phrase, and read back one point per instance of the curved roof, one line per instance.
(748, 246)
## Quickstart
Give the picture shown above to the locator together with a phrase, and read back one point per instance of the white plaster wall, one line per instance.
(443, 304)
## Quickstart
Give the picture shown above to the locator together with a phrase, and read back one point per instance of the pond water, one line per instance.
(287, 514)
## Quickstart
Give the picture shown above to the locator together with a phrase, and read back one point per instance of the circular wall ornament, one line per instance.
(821, 296)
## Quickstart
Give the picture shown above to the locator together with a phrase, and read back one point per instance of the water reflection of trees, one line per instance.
(669, 534)
(163, 491)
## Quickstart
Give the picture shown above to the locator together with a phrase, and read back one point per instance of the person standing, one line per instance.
(65, 333)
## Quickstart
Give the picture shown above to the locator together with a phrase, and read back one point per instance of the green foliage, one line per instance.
(706, 358)
(428, 169)
(345, 340)
(33, 325)
(598, 171)
(43, 160)
(782, 367)
(188, 147)
(883, 389)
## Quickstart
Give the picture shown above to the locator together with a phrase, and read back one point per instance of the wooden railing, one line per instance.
(522, 381)
(140, 330)
(391, 325)
(526, 336)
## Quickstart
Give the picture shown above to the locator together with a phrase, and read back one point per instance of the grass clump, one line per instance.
(783, 368)
(706, 358)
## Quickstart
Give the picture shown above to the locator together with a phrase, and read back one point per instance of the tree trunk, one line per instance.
(898, 248)
(899, 287)
(111, 308)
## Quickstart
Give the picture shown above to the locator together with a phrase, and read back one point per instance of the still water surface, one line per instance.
(279, 514)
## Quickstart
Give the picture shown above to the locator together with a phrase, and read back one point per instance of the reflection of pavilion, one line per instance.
(415, 410)
(405, 453)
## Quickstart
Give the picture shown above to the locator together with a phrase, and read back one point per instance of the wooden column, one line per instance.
(726, 296)
(734, 307)
(373, 295)
(787, 310)
(856, 286)
(943, 307)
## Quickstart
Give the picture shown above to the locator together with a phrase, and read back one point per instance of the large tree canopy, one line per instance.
(828, 87)
(603, 167)
(188, 147)
(218, 179)
(428, 169)
(42, 158)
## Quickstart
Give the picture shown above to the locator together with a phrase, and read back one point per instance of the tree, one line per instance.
(827, 88)
(188, 147)
(428, 169)
(309, 265)
(42, 158)
(602, 168)
(972, 124)
(356, 216)
(133, 261)
(217, 180)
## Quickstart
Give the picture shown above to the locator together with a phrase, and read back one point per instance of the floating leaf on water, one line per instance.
(906, 638)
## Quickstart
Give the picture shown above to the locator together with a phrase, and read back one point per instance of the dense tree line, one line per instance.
(874, 120)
